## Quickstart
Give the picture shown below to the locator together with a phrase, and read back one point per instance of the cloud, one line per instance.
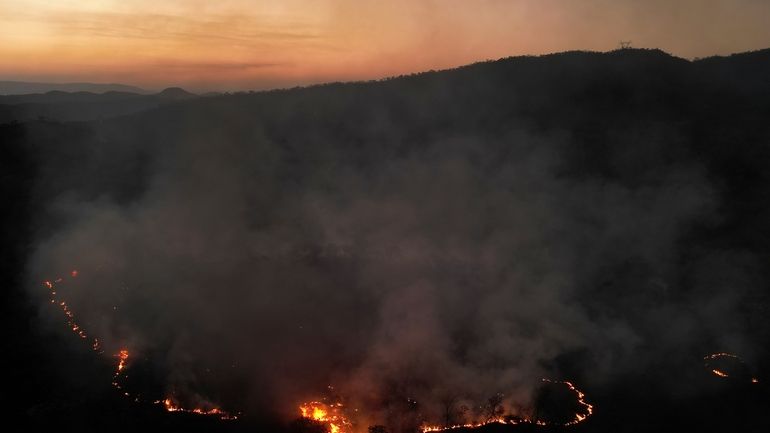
(217, 66)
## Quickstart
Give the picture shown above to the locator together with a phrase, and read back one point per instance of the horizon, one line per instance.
(237, 45)
(202, 91)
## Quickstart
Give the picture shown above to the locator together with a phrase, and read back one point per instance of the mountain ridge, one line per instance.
(12, 87)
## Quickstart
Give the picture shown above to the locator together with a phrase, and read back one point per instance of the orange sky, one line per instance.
(256, 44)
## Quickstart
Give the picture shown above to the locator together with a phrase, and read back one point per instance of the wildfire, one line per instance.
(500, 420)
(71, 321)
(170, 406)
(709, 360)
(435, 428)
(122, 356)
(589, 408)
(330, 414)
(579, 417)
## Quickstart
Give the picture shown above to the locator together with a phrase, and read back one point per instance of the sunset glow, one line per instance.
(245, 44)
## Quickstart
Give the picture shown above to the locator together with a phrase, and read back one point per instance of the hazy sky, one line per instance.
(231, 44)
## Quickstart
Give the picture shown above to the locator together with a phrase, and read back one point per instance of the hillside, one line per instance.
(601, 217)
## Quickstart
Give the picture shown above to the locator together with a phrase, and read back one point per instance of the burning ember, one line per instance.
(435, 428)
(122, 360)
(727, 365)
(71, 322)
(587, 410)
(122, 357)
(330, 414)
(170, 406)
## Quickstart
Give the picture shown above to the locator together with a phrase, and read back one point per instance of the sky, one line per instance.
(259, 44)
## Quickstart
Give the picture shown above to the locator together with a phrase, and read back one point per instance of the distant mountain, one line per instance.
(25, 87)
(57, 96)
(79, 106)
(176, 93)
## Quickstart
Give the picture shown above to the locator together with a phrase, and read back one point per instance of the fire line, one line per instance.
(122, 355)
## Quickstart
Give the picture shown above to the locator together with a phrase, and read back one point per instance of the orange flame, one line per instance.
(589, 408)
(330, 414)
(170, 406)
(122, 355)
(579, 417)
(722, 373)
(71, 322)
(122, 358)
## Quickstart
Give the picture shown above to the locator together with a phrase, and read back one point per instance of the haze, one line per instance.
(252, 44)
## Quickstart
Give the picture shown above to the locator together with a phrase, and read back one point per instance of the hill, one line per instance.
(83, 106)
(25, 87)
(602, 218)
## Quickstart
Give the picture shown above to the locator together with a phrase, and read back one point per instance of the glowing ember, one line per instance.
(71, 322)
(330, 414)
(122, 360)
(722, 359)
(122, 356)
(588, 410)
(170, 406)
(434, 428)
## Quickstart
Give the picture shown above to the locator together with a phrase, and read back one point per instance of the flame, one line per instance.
(437, 428)
(122, 355)
(71, 321)
(588, 410)
(721, 373)
(330, 414)
(122, 358)
(170, 406)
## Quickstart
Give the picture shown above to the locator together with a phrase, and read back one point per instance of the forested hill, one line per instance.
(610, 210)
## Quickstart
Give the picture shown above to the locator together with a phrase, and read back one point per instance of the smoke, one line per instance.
(260, 259)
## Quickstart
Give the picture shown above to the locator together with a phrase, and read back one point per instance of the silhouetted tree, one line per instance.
(448, 402)
(493, 408)
(460, 414)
